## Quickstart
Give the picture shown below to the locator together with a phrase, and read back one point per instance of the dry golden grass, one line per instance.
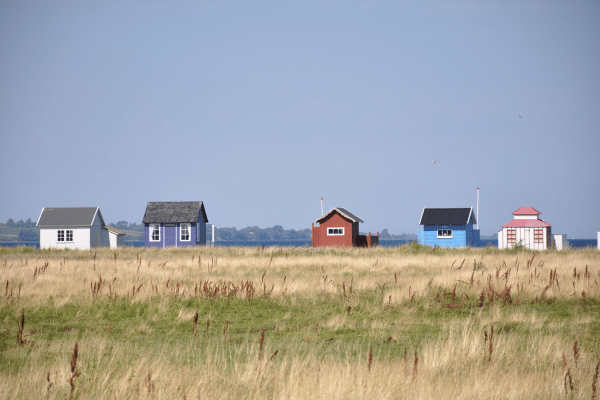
(305, 271)
(418, 310)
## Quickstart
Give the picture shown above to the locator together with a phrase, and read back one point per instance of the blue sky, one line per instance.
(259, 109)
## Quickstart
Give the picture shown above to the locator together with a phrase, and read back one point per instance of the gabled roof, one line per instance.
(526, 223)
(526, 211)
(447, 216)
(68, 216)
(343, 212)
(113, 230)
(172, 212)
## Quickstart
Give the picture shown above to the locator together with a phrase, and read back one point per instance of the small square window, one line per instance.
(69, 236)
(61, 236)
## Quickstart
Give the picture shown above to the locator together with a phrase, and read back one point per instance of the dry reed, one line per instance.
(74, 372)
(595, 381)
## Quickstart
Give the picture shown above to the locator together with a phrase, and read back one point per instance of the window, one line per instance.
(155, 232)
(335, 231)
(511, 236)
(184, 232)
(444, 234)
(61, 235)
(538, 235)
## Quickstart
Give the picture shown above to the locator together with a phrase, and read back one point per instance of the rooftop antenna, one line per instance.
(477, 208)
(321, 206)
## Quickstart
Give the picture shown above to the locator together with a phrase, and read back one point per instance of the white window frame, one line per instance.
(445, 233)
(332, 231)
(69, 235)
(60, 235)
(152, 227)
(188, 227)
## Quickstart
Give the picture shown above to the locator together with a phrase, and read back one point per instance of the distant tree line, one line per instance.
(124, 225)
(385, 235)
(27, 231)
(19, 224)
(265, 234)
(278, 233)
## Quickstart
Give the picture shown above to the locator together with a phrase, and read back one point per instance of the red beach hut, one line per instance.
(339, 227)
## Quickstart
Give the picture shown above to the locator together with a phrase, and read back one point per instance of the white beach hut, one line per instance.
(526, 229)
(76, 228)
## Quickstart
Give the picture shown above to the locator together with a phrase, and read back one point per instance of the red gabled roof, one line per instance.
(526, 211)
(526, 223)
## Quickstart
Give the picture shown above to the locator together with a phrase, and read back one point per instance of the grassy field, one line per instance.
(250, 323)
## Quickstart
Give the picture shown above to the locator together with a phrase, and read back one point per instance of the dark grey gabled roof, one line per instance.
(68, 216)
(172, 212)
(343, 212)
(447, 216)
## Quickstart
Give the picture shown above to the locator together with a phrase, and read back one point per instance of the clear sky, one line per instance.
(260, 108)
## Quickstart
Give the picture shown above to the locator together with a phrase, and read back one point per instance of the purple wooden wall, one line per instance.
(170, 236)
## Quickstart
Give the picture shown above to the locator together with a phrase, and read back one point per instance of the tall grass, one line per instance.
(409, 322)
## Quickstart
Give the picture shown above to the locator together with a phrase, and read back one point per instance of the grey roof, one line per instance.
(172, 212)
(343, 212)
(68, 216)
(447, 216)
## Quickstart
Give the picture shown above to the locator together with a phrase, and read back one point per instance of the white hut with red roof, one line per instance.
(526, 229)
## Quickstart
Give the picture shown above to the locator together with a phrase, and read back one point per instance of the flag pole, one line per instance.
(477, 208)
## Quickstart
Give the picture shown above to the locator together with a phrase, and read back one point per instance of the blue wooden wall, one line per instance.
(462, 236)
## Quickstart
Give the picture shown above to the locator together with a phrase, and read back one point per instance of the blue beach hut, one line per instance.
(448, 227)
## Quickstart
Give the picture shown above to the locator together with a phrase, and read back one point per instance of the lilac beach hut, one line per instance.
(175, 224)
